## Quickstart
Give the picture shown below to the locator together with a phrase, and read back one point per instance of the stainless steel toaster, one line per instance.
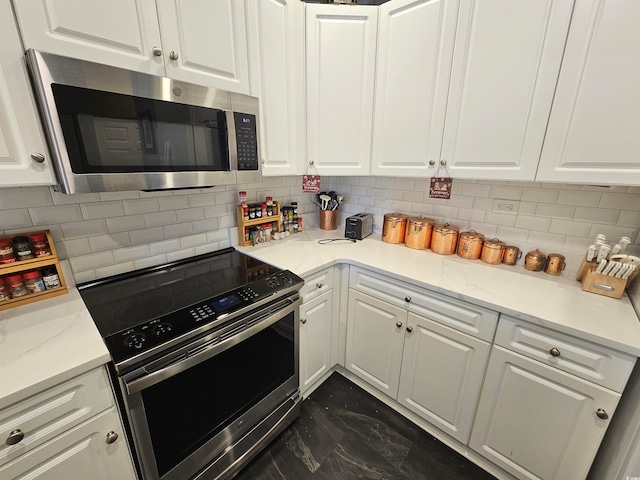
(359, 226)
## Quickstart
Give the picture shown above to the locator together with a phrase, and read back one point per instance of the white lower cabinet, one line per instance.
(315, 339)
(433, 370)
(537, 422)
(69, 431)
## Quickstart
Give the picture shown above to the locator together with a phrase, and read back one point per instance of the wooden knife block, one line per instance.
(601, 284)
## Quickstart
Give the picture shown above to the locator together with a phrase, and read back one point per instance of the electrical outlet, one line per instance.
(378, 194)
(505, 207)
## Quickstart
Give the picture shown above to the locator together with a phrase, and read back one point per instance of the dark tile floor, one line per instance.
(344, 433)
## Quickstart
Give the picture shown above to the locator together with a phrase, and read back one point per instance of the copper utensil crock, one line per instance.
(394, 227)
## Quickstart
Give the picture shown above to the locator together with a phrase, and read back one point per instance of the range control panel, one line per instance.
(145, 336)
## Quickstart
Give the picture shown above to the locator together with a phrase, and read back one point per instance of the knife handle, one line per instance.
(591, 253)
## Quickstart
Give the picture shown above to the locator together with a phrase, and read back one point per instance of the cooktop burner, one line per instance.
(144, 309)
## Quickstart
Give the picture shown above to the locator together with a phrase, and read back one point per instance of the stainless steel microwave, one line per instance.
(110, 129)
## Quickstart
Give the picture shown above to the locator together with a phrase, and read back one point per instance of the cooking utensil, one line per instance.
(470, 245)
(603, 253)
(534, 260)
(629, 271)
(444, 239)
(492, 251)
(394, 227)
(555, 264)
(601, 265)
(325, 201)
(591, 253)
(418, 233)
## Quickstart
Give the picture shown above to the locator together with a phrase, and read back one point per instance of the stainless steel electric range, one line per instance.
(205, 360)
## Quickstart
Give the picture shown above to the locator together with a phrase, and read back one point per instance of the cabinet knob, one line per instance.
(432, 162)
(443, 162)
(173, 55)
(157, 51)
(303, 321)
(554, 352)
(111, 437)
(602, 414)
(399, 324)
(37, 157)
(409, 329)
(319, 285)
(310, 162)
(407, 299)
(14, 437)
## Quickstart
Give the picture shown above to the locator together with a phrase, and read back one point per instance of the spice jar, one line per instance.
(22, 247)
(16, 285)
(470, 245)
(4, 292)
(418, 233)
(444, 239)
(33, 281)
(40, 244)
(511, 255)
(534, 260)
(8, 258)
(492, 251)
(394, 227)
(555, 264)
(6, 248)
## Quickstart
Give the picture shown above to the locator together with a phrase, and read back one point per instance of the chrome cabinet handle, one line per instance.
(157, 51)
(37, 157)
(303, 321)
(173, 55)
(602, 414)
(407, 299)
(399, 324)
(319, 285)
(111, 437)
(14, 437)
(409, 329)
(554, 352)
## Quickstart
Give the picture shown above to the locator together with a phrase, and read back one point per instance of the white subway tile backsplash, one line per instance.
(460, 201)
(125, 224)
(115, 269)
(65, 199)
(217, 210)
(224, 197)
(91, 211)
(193, 240)
(384, 182)
(205, 225)
(101, 243)
(545, 195)
(579, 198)
(621, 201)
(448, 213)
(24, 197)
(155, 194)
(566, 227)
(18, 218)
(177, 230)
(217, 236)
(227, 221)
(403, 184)
(141, 205)
(613, 232)
(190, 214)
(160, 218)
(210, 247)
(92, 261)
(499, 219)
(512, 235)
(596, 215)
(548, 240)
(150, 261)
(55, 214)
(128, 254)
(146, 235)
(85, 276)
(174, 203)
(554, 211)
(400, 206)
(475, 189)
(111, 196)
(509, 193)
(87, 228)
(527, 208)
(533, 223)
(480, 203)
(471, 214)
(629, 219)
(488, 230)
(412, 196)
(164, 246)
(203, 199)
(180, 254)
(77, 247)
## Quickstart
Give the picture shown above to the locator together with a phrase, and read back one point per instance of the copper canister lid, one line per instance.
(420, 221)
(471, 236)
(446, 229)
(395, 217)
(494, 243)
(537, 255)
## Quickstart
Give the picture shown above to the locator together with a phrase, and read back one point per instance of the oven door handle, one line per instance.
(204, 352)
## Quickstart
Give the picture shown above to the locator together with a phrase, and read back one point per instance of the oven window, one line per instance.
(188, 409)
(114, 133)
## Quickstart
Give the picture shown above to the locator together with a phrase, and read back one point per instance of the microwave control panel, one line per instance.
(247, 140)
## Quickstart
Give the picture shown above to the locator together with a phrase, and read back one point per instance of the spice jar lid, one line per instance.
(5, 243)
(446, 229)
(420, 221)
(31, 274)
(38, 237)
(536, 254)
(471, 235)
(20, 239)
(396, 217)
(14, 278)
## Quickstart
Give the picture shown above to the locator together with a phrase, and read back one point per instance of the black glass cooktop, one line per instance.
(125, 301)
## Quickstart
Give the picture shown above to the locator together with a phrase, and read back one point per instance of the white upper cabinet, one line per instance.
(505, 67)
(197, 41)
(276, 57)
(593, 134)
(21, 140)
(341, 60)
(412, 78)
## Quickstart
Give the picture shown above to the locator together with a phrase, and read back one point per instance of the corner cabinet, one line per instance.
(340, 73)
(276, 55)
(194, 41)
(72, 430)
(23, 156)
(593, 128)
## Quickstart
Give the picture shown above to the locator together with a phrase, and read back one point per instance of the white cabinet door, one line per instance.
(276, 36)
(80, 453)
(205, 42)
(537, 422)
(505, 67)
(341, 58)
(412, 78)
(441, 376)
(315, 339)
(593, 129)
(20, 132)
(122, 33)
(375, 338)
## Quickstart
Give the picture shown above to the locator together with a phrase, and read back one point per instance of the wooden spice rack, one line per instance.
(242, 223)
(33, 264)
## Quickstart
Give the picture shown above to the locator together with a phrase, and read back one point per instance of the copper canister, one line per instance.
(492, 251)
(511, 255)
(418, 233)
(394, 227)
(444, 239)
(555, 264)
(470, 245)
(534, 260)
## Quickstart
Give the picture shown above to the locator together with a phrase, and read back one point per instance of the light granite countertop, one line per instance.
(556, 302)
(45, 343)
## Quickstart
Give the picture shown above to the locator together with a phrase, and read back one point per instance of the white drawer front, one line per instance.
(586, 360)
(316, 284)
(463, 316)
(53, 411)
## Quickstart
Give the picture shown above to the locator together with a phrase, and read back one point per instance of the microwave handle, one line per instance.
(232, 141)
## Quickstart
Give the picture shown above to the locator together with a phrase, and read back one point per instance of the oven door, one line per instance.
(188, 408)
